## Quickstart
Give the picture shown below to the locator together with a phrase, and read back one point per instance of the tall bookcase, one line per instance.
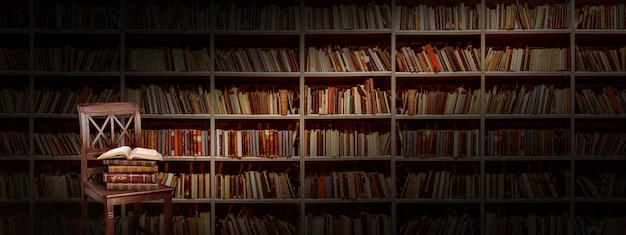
(518, 129)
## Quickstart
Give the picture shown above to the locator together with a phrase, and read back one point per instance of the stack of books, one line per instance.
(131, 169)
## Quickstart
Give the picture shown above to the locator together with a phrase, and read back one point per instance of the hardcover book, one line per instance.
(130, 177)
(132, 186)
(124, 162)
(132, 169)
(126, 152)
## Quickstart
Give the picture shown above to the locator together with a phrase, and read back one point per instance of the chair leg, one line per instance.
(167, 214)
(136, 214)
(83, 215)
(110, 219)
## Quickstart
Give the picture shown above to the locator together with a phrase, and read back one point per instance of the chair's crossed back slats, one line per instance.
(112, 132)
(108, 125)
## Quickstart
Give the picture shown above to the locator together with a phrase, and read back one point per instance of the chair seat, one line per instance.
(98, 188)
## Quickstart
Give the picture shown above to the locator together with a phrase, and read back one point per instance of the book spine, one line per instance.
(132, 169)
(132, 186)
(130, 177)
(129, 162)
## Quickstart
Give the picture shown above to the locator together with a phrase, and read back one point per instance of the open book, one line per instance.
(130, 154)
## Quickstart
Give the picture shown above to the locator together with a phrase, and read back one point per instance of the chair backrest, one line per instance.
(104, 126)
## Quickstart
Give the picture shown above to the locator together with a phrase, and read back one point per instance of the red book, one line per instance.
(130, 177)
(132, 186)
(129, 169)
(433, 57)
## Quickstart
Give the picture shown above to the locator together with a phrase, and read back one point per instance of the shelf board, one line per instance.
(77, 73)
(476, 32)
(526, 158)
(257, 159)
(527, 73)
(168, 73)
(347, 116)
(269, 200)
(527, 116)
(333, 200)
(345, 31)
(176, 116)
(257, 74)
(436, 201)
(257, 32)
(527, 200)
(255, 116)
(437, 116)
(439, 74)
(77, 31)
(345, 158)
(438, 159)
(526, 31)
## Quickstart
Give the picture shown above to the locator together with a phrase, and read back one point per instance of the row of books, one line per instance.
(600, 59)
(527, 142)
(427, 143)
(528, 58)
(155, 99)
(268, 100)
(185, 59)
(527, 185)
(14, 185)
(338, 58)
(423, 143)
(268, 143)
(556, 223)
(607, 100)
(13, 16)
(58, 185)
(14, 59)
(600, 144)
(187, 185)
(64, 100)
(369, 223)
(257, 60)
(245, 223)
(521, 16)
(177, 15)
(56, 144)
(365, 98)
(77, 16)
(13, 143)
(447, 224)
(365, 16)
(255, 184)
(267, 17)
(348, 185)
(318, 59)
(14, 224)
(434, 100)
(178, 142)
(358, 223)
(433, 58)
(539, 99)
(341, 143)
(603, 16)
(336, 185)
(349, 16)
(440, 185)
(69, 58)
(601, 185)
(425, 17)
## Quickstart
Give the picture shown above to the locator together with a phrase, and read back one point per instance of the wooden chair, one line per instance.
(104, 126)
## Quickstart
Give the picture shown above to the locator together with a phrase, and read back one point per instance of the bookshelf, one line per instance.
(516, 124)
